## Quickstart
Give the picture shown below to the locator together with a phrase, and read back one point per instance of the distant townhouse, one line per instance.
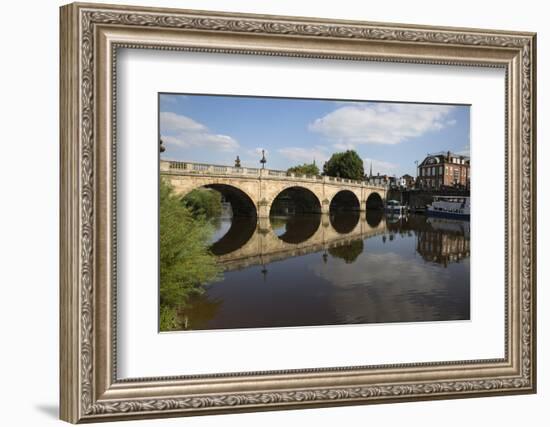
(444, 169)
(406, 181)
(381, 180)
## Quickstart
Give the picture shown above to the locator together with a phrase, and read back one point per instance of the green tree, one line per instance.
(204, 202)
(345, 165)
(305, 169)
(185, 260)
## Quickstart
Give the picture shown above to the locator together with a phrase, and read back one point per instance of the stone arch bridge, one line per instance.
(252, 191)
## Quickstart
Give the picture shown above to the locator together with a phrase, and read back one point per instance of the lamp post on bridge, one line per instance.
(263, 160)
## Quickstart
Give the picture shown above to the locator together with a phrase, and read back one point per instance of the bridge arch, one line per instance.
(344, 201)
(374, 201)
(294, 199)
(242, 203)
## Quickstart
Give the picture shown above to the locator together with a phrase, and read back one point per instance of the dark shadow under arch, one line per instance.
(375, 201)
(241, 231)
(374, 216)
(344, 201)
(297, 209)
(295, 200)
(344, 222)
(297, 228)
(241, 203)
(243, 218)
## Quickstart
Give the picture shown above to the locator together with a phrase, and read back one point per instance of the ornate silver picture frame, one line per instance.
(91, 36)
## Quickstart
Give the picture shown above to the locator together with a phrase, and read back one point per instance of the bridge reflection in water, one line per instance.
(343, 268)
(278, 238)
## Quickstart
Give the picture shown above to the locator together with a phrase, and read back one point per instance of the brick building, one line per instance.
(444, 169)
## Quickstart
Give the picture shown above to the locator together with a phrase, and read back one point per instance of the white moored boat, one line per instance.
(450, 207)
(395, 208)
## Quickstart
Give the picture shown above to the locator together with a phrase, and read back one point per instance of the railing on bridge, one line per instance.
(203, 168)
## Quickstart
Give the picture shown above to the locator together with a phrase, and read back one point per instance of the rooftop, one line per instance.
(444, 153)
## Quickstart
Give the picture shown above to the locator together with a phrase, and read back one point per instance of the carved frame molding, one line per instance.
(90, 36)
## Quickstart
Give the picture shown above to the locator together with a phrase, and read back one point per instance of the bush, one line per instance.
(310, 169)
(186, 263)
(204, 202)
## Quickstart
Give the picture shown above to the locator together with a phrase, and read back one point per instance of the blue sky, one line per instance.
(215, 129)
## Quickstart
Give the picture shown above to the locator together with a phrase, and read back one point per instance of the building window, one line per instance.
(440, 170)
(456, 175)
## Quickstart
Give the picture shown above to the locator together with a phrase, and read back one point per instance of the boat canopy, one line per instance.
(451, 198)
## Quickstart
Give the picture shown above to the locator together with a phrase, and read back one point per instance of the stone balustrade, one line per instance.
(208, 169)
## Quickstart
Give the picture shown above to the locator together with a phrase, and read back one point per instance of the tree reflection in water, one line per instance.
(200, 311)
(348, 252)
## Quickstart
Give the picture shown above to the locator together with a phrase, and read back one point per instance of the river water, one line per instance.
(347, 268)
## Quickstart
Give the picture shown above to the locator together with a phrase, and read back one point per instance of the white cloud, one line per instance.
(258, 151)
(381, 123)
(426, 289)
(344, 146)
(182, 131)
(465, 151)
(172, 122)
(305, 155)
(379, 166)
(171, 98)
(250, 157)
(255, 154)
(384, 267)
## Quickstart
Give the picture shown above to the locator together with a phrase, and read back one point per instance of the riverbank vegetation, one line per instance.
(309, 169)
(186, 262)
(204, 202)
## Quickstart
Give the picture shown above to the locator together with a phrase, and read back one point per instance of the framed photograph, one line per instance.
(266, 212)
